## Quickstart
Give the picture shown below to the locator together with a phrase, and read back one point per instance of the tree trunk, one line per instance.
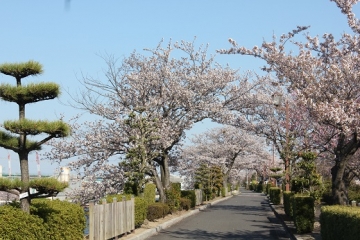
(344, 151)
(165, 172)
(159, 186)
(339, 190)
(24, 167)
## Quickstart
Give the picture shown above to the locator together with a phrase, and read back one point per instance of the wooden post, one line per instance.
(91, 220)
(115, 223)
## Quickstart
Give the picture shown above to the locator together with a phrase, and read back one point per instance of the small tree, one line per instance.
(209, 179)
(23, 95)
(307, 179)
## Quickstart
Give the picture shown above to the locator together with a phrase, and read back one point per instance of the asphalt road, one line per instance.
(245, 216)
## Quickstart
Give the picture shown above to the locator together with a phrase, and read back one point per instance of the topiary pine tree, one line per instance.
(17, 131)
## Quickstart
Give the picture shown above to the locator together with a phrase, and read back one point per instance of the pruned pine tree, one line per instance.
(15, 135)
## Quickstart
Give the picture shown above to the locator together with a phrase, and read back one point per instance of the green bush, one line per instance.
(141, 207)
(189, 194)
(185, 204)
(149, 193)
(303, 213)
(260, 187)
(288, 203)
(173, 196)
(340, 222)
(354, 193)
(16, 224)
(275, 195)
(62, 220)
(156, 211)
(268, 186)
(223, 193)
(327, 193)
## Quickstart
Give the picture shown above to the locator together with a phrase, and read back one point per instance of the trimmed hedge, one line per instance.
(141, 207)
(189, 194)
(267, 189)
(275, 195)
(149, 193)
(16, 224)
(185, 204)
(157, 210)
(303, 213)
(62, 219)
(340, 222)
(173, 196)
(288, 206)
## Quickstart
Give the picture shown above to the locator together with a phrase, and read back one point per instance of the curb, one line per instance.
(292, 236)
(150, 232)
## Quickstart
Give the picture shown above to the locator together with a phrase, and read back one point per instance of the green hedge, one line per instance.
(16, 224)
(185, 204)
(62, 219)
(149, 193)
(189, 194)
(141, 207)
(340, 222)
(268, 186)
(173, 196)
(303, 213)
(287, 195)
(157, 210)
(275, 195)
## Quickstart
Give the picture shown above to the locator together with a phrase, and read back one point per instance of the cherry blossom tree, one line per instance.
(323, 74)
(225, 147)
(174, 92)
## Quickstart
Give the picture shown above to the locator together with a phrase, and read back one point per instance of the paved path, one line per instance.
(245, 216)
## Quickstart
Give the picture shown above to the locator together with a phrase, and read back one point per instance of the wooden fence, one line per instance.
(109, 220)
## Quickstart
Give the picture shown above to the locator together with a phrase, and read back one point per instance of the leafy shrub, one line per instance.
(62, 220)
(260, 187)
(327, 193)
(16, 224)
(189, 194)
(173, 196)
(140, 211)
(340, 222)
(275, 195)
(223, 193)
(268, 186)
(354, 193)
(157, 210)
(288, 204)
(149, 193)
(185, 204)
(303, 213)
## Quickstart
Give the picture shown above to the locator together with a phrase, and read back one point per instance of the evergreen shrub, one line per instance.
(62, 219)
(185, 204)
(141, 207)
(149, 193)
(340, 222)
(189, 194)
(173, 196)
(275, 195)
(16, 224)
(288, 203)
(157, 210)
(303, 213)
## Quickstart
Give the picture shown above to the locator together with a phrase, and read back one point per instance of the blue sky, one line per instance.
(68, 39)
